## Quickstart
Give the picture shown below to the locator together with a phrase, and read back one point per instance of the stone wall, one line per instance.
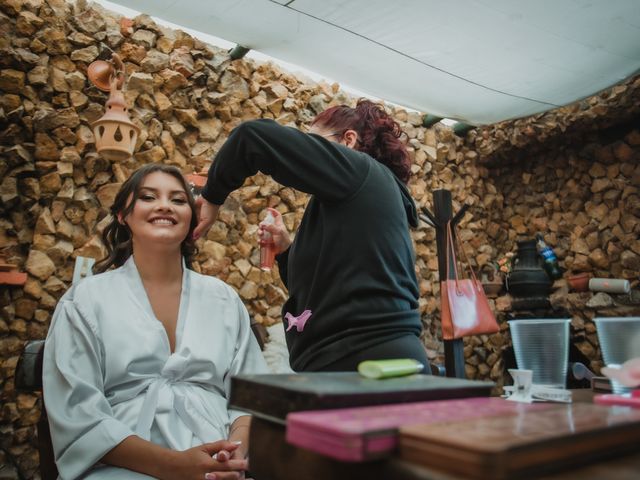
(584, 197)
(518, 140)
(186, 97)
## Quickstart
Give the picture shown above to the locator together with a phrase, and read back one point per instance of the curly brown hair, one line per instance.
(378, 133)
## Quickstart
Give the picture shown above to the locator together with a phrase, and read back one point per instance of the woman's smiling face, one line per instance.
(161, 213)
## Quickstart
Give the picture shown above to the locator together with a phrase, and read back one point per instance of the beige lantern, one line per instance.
(115, 133)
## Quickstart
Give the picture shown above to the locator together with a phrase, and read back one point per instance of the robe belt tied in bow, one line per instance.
(185, 409)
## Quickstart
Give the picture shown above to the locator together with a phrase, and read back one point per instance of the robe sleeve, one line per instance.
(83, 428)
(247, 356)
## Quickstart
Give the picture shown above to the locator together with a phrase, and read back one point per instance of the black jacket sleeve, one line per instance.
(306, 162)
(283, 264)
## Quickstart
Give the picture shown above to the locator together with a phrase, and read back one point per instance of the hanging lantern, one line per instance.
(115, 133)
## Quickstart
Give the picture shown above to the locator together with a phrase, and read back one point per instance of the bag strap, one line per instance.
(451, 250)
(466, 259)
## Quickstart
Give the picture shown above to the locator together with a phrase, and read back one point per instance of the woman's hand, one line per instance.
(239, 454)
(210, 461)
(277, 230)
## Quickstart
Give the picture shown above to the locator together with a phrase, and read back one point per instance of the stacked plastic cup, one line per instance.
(542, 345)
(619, 339)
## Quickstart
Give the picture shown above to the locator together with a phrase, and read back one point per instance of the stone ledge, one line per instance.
(619, 304)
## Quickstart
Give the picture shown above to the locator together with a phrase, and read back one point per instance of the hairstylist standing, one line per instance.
(353, 293)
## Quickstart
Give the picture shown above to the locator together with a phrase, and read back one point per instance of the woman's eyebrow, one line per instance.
(172, 192)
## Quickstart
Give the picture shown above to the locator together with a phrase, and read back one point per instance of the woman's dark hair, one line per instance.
(117, 236)
(378, 133)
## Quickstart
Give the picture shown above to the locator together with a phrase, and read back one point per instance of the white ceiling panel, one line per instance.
(475, 61)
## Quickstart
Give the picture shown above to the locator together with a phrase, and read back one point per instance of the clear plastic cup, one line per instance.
(619, 339)
(542, 345)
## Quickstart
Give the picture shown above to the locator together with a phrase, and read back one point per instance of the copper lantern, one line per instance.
(115, 133)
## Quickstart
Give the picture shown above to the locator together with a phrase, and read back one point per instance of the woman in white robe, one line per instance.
(138, 360)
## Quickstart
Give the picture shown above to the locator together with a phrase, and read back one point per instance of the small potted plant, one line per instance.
(493, 275)
(492, 280)
(505, 263)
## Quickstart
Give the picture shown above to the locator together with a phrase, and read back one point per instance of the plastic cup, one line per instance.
(619, 339)
(542, 345)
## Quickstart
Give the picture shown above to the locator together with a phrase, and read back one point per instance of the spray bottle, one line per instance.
(267, 246)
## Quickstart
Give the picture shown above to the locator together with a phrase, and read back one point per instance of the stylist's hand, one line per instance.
(277, 230)
(207, 214)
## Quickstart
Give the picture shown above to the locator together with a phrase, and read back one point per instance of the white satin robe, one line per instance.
(109, 372)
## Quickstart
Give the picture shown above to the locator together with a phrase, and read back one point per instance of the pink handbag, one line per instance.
(465, 308)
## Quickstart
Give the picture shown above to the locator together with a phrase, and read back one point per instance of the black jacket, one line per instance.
(352, 261)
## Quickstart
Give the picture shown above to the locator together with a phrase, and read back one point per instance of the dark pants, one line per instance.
(407, 346)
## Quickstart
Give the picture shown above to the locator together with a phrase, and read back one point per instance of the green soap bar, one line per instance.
(389, 368)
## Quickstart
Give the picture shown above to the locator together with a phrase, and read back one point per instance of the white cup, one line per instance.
(542, 345)
(619, 339)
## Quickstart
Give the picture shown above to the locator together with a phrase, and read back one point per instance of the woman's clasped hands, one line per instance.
(210, 461)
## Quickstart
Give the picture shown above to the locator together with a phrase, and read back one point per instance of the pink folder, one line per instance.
(366, 433)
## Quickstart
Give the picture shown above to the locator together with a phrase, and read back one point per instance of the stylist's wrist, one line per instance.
(207, 213)
(282, 247)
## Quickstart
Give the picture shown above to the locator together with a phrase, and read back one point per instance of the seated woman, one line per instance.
(138, 359)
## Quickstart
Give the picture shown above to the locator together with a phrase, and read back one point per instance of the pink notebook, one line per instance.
(366, 433)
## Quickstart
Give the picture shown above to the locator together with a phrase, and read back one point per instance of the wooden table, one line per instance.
(274, 459)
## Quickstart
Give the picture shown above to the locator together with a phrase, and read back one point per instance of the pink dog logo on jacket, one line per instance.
(299, 322)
